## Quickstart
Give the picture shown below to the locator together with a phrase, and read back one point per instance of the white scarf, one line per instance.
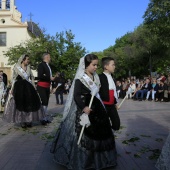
(22, 73)
(49, 69)
(92, 86)
(112, 85)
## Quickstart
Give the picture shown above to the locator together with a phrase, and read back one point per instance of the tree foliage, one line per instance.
(138, 53)
(157, 18)
(65, 53)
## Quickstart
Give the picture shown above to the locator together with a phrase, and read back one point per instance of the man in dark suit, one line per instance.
(44, 82)
(5, 78)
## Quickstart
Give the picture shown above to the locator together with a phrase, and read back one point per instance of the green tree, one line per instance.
(157, 18)
(69, 53)
(65, 53)
(34, 47)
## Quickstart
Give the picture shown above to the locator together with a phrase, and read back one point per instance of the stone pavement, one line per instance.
(144, 128)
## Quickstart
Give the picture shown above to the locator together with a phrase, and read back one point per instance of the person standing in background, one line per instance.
(44, 82)
(59, 87)
(5, 78)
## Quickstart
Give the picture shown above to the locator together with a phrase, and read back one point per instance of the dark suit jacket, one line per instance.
(104, 89)
(149, 87)
(155, 88)
(43, 72)
(58, 80)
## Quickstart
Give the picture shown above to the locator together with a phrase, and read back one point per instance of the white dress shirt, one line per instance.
(50, 70)
(111, 84)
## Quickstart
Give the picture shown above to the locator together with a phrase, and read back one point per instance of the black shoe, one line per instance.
(140, 99)
(23, 125)
(29, 124)
(48, 121)
(43, 122)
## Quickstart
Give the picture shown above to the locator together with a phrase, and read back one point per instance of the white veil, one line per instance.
(70, 103)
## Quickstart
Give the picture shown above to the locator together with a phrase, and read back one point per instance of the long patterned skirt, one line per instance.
(24, 105)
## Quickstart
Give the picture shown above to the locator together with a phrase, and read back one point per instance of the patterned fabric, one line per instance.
(12, 115)
(163, 162)
(97, 147)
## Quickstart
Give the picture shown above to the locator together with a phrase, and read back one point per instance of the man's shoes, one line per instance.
(140, 99)
(23, 125)
(29, 124)
(48, 121)
(43, 122)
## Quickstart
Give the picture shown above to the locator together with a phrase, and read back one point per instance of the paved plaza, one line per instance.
(145, 126)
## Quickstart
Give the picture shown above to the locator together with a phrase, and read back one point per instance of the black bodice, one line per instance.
(100, 128)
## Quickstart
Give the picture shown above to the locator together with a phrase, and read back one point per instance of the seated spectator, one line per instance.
(160, 92)
(132, 87)
(139, 85)
(162, 78)
(153, 90)
(168, 95)
(165, 91)
(145, 88)
(124, 88)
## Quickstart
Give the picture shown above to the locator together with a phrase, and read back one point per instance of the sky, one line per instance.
(96, 24)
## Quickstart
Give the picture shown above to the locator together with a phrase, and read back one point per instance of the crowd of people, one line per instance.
(146, 89)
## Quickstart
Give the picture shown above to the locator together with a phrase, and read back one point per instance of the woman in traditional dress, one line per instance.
(25, 105)
(97, 145)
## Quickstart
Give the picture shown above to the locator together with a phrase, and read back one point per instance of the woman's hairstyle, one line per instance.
(88, 59)
(24, 58)
(105, 61)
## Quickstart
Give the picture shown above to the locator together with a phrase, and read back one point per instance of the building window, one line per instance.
(2, 38)
(0, 4)
(8, 4)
